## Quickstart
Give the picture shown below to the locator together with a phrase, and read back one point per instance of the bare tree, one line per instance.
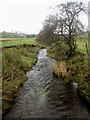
(65, 22)
(68, 24)
(47, 35)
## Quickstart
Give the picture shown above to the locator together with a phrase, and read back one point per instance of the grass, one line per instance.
(55, 51)
(17, 42)
(81, 45)
(4, 39)
(15, 63)
(75, 68)
(60, 69)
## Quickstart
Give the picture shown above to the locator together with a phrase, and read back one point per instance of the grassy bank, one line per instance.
(15, 63)
(74, 69)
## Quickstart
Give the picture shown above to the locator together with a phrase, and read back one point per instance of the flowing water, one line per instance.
(44, 96)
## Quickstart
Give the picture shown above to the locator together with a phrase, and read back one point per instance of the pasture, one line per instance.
(81, 45)
(17, 42)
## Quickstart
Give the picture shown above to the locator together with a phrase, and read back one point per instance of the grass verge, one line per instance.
(74, 69)
(16, 62)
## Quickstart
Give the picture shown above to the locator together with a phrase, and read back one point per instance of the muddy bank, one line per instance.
(45, 96)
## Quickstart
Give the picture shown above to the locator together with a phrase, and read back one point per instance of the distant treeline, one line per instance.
(5, 34)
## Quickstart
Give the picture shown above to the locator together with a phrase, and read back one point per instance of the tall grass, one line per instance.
(15, 63)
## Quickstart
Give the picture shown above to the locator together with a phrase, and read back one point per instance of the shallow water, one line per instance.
(42, 54)
(44, 96)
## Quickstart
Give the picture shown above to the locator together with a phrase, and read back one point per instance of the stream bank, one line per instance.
(46, 96)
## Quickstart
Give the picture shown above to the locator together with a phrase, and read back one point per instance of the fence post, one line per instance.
(89, 34)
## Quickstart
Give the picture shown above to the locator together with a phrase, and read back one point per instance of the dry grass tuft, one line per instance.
(61, 70)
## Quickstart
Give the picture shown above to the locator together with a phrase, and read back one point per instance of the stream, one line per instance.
(45, 96)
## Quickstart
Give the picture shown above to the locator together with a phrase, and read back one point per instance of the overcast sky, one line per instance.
(26, 15)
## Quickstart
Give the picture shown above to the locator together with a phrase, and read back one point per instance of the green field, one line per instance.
(17, 42)
(81, 45)
(15, 63)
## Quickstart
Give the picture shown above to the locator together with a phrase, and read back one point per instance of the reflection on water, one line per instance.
(44, 96)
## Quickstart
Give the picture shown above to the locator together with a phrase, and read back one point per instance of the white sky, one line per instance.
(27, 15)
